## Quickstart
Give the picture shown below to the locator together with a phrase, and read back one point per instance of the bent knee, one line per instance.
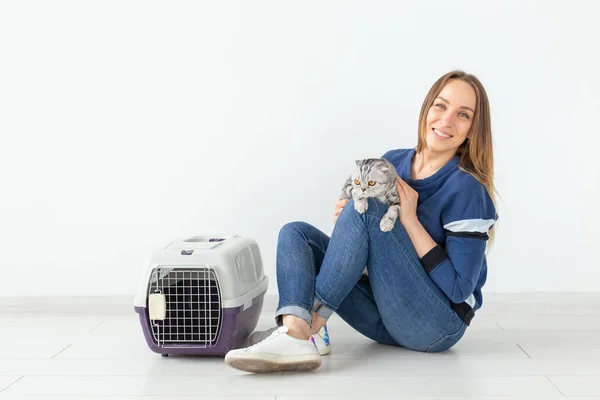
(292, 228)
(375, 207)
(298, 228)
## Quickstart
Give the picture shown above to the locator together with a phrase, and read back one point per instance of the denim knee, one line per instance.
(375, 208)
(290, 228)
(447, 341)
(294, 228)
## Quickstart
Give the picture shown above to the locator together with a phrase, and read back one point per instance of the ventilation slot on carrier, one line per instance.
(257, 260)
(193, 306)
(245, 266)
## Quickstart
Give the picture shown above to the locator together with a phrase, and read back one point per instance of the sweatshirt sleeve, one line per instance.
(467, 219)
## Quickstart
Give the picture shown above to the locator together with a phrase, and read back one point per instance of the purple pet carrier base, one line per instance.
(236, 327)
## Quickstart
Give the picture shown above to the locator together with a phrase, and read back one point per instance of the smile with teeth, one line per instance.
(441, 134)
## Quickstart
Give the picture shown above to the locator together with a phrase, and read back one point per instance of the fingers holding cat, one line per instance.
(408, 201)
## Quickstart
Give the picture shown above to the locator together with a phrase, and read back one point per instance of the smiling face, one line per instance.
(449, 119)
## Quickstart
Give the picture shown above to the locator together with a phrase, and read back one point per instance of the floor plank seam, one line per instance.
(559, 391)
(97, 326)
(21, 377)
(60, 352)
(500, 326)
(523, 350)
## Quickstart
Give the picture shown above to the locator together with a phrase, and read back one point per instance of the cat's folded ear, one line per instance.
(358, 162)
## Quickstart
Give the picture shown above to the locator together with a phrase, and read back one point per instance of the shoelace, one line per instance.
(275, 332)
(269, 332)
(280, 330)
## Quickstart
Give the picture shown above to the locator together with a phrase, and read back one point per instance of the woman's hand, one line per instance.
(339, 205)
(419, 237)
(408, 202)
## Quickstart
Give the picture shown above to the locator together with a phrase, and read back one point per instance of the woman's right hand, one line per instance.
(339, 205)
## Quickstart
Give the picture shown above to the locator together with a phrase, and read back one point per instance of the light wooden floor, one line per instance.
(519, 346)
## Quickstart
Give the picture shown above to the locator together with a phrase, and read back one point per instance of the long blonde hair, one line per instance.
(476, 153)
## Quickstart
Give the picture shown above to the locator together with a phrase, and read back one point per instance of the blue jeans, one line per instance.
(397, 305)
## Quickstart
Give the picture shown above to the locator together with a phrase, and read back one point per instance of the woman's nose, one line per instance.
(446, 119)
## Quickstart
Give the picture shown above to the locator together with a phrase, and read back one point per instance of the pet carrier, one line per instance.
(201, 295)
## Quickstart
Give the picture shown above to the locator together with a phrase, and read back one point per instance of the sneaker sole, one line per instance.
(325, 351)
(322, 352)
(258, 364)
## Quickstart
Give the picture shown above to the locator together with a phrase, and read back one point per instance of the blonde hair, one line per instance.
(476, 153)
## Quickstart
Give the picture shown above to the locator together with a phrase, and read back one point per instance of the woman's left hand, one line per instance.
(408, 202)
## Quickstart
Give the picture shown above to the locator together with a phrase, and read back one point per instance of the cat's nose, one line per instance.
(363, 189)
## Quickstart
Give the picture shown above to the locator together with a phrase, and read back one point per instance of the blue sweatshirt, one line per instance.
(457, 211)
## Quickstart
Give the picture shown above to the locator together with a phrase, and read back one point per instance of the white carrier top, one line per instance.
(235, 260)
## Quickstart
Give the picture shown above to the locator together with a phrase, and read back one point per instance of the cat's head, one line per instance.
(373, 177)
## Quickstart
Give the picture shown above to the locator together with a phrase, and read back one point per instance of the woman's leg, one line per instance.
(300, 253)
(300, 250)
(414, 311)
(360, 311)
(409, 309)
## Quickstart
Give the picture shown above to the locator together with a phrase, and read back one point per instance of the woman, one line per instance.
(424, 276)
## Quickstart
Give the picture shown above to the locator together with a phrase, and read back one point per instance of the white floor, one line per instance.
(519, 346)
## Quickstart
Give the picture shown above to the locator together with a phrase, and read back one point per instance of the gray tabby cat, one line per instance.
(374, 177)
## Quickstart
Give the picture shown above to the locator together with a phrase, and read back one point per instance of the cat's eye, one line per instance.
(371, 183)
(356, 182)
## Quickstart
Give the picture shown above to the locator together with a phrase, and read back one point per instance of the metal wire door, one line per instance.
(193, 306)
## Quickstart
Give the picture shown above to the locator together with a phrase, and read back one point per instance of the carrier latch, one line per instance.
(157, 306)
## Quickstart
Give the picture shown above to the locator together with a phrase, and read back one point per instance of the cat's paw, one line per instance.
(361, 206)
(386, 224)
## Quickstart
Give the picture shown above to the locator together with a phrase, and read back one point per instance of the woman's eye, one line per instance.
(371, 183)
(464, 115)
(356, 182)
(440, 106)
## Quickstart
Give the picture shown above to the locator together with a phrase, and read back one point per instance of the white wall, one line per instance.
(125, 124)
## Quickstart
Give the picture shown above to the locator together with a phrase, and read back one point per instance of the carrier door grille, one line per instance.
(193, 306)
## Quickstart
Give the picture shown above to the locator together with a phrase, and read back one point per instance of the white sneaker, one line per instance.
(320, 339)
(277, 353)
